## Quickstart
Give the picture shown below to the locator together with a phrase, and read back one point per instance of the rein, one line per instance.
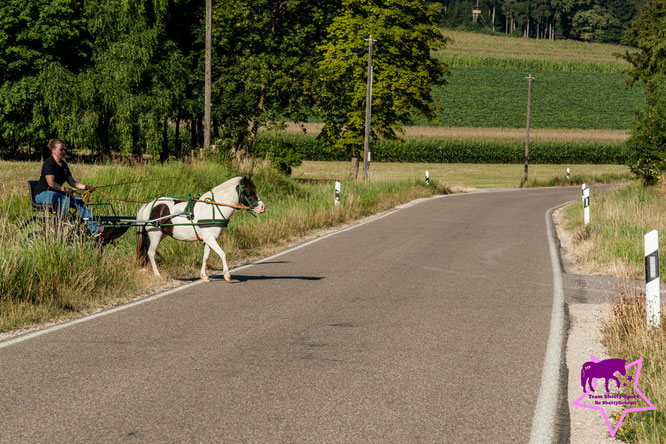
(86, 197)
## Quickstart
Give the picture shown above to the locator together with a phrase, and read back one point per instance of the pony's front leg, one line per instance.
(212, 243)
(206, 252)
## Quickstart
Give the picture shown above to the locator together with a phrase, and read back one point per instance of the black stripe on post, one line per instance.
(586, 202)
(652, 267)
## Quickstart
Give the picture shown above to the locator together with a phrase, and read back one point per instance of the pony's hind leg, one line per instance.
(204, 276)
(212, 243)
(155, 238)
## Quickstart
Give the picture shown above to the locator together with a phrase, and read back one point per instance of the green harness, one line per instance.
(189, 210)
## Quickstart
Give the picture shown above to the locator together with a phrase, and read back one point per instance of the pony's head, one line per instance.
(247, 195)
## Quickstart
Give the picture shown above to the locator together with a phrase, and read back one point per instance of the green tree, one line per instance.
(648, 141)
(404, 71)
(34, 36)
(264, 63)
(136, 78)
(591, 24)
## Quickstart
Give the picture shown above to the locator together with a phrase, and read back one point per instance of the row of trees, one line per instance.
(588, 20)
(124, 75)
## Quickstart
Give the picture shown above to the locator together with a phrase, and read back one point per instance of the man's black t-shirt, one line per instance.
(60, 173)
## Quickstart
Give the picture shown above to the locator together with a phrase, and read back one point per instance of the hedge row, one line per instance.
(290, 149)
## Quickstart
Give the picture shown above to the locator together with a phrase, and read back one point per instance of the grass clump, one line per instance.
(613, 243)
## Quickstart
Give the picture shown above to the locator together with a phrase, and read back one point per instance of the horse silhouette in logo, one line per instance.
(603, 369)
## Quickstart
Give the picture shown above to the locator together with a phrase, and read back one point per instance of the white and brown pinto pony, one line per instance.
(194, 220)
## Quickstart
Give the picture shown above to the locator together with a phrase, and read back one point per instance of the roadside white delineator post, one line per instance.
(337, 193)
(652, 278)
(427, 177)
(586, 204)
(568, 174)
(369, 156)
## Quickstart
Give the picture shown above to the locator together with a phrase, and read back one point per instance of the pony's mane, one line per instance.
(225, 186)
(231, 182)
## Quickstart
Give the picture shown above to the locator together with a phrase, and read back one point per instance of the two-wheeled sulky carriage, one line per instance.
(187, 218)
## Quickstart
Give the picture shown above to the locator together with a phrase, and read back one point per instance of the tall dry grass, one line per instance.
(612, 244)
(627, 336)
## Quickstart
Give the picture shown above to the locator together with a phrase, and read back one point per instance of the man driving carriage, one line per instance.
(50, 190)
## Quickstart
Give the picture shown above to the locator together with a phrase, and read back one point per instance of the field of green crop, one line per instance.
(294, 146)
(495, 97)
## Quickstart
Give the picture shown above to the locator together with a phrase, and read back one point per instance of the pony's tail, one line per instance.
(142, 243)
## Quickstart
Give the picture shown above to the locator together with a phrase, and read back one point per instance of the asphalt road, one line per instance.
(427, 325)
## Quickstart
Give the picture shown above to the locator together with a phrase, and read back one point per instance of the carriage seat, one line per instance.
(37, 206)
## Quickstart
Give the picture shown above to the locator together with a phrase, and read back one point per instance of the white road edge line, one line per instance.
(71, 323)
(543, 421)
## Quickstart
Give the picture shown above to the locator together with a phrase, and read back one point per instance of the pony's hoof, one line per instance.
(227, 277)
(205, 279)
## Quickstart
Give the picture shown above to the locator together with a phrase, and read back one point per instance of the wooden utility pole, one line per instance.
(207, 92)
(368, 111)
(530, 79)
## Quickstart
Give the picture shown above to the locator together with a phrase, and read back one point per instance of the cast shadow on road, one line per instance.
(245, 278)
(237, 278)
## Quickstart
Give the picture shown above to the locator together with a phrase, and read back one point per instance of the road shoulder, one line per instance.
(586, 299)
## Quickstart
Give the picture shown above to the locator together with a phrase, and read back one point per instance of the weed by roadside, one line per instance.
(625, 335)
(618, 222)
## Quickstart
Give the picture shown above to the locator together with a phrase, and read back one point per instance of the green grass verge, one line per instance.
(465, 176)
(613, 242)
(53, 279)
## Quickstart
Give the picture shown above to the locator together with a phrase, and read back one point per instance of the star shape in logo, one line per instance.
(601, 408)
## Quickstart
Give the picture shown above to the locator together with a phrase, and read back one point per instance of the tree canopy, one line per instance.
(648, 141)
(404, 71)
